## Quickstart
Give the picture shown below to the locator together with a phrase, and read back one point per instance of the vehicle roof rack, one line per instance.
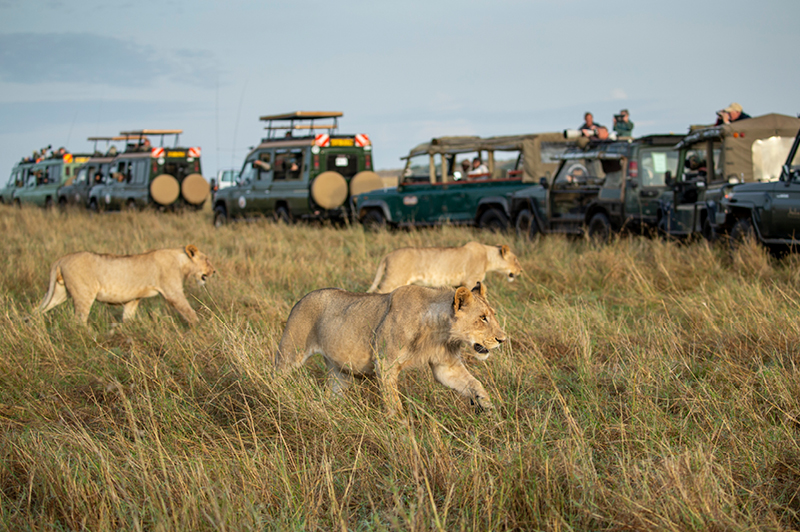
(141, 133)
(300, 116)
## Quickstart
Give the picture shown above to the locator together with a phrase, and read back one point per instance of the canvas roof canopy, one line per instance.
(753, 148)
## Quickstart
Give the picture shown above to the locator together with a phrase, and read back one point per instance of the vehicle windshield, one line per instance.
(417, 169)
(795, 164)
(654, 165)
(695, 162)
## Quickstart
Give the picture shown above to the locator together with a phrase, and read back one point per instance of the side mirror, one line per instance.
(543, 182)
(786, 173)
(668, 178)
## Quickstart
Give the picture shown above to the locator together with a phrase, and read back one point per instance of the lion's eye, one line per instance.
(484, 320)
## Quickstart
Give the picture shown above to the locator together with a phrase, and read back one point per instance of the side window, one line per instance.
(612, 173)
(81, 176)
(54, 174)
(248, 172)
(417, 169)
(572, 173)
(654, 164)
(36, 178)
(288, 165)
(140, 172)
(264, 165)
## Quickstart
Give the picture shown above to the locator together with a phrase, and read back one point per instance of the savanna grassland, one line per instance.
(646, 385)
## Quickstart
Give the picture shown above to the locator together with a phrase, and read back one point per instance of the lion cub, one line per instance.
(362, 334)
(125, 279)
(463, 266)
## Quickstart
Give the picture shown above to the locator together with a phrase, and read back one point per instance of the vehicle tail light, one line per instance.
(633, 169)
(316, 162)
(155, 167)
(368, 161)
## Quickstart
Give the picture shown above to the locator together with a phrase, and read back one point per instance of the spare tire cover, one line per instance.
(165, 189)
(195, 189)
(329, 190)
(365, 181)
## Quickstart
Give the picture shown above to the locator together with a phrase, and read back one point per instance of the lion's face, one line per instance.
(510, 263)
(202, 268)
(475, 322)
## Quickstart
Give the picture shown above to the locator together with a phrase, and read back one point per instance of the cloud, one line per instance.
(618, 94)
(33, 58)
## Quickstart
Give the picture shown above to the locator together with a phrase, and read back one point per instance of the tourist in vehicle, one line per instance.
(465, 168)
(589, 128)
(144, 145)
(623, 126)
(478, 168)
(732, 113)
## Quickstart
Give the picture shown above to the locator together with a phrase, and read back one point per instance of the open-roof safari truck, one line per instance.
(302, 169)
(42, 180)
(440, 183)
(145, 175)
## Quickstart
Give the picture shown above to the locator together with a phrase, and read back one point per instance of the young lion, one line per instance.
(125, 279)
(463, 266)
(362, 334)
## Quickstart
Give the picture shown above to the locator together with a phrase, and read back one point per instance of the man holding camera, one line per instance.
(732, 113)
(623, 126)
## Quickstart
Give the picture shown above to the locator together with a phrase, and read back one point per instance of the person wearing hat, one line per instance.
(732, 113)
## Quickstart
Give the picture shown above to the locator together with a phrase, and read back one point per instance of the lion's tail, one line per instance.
(378, 276)
(56, 293)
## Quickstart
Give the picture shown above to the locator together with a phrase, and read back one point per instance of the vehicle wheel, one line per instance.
(62, 204)
(48, 204)
(526, 225)
(282, 215)
(373, 220)
(741, 233)
(220, 217)
(93, 205)
(709, 233)
(131, 206)
(599, 228)
(494, 220)
(17, 204)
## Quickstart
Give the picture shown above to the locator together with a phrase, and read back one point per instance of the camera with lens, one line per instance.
(619, 118)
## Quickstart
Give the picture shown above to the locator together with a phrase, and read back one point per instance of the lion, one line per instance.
(382, 334)
(125, 279)
(458, 266)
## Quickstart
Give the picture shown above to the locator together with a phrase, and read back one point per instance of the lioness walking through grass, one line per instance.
(363, 334)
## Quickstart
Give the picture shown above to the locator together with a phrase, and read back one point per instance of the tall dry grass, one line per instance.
(646, 385)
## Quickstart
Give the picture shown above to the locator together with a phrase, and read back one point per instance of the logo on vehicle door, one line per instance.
(77, 197)
(410, 200)
(242, 202)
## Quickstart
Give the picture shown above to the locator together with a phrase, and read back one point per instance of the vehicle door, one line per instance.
(25, 193)
(457, 199)
(114, 194)
(76, 192)
(241, 201)
(290, 180)
(8, 190)
(415, 191)
(647, 181)
(259, 198)
(786, 202)
(138, 177)
(576, 184)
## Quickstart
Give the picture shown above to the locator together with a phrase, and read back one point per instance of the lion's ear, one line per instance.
(480, 289)
(463, 297)
(504, 249)
(191, 250)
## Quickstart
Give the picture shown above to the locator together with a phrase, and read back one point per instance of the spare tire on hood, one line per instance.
(165, 189)
(329, 190)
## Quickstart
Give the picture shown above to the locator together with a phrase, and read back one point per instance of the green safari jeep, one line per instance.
(712, 160)
(46, 177)
(446, 181)
(144, 175)
(300, 170)
(768, 211)
(18, 178)
(601, 187)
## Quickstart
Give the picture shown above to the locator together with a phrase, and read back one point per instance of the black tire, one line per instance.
(494, 220)
(373, 220)
(93, 206)
(526, 225)
(17, 203)
(599, 228)
(48, 204)
(62, 204)
(220, 217)
(741, 233)
(131, 206)
(282, 215)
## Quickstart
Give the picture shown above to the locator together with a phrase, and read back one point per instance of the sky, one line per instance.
(401, 72)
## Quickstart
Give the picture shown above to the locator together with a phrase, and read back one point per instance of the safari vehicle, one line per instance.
(144, 176)
(19, 175)
(46, 177)
(433, 189)
(94, 172)
(297, 173)
(712, 160)
(601, 187)
(769, 211)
